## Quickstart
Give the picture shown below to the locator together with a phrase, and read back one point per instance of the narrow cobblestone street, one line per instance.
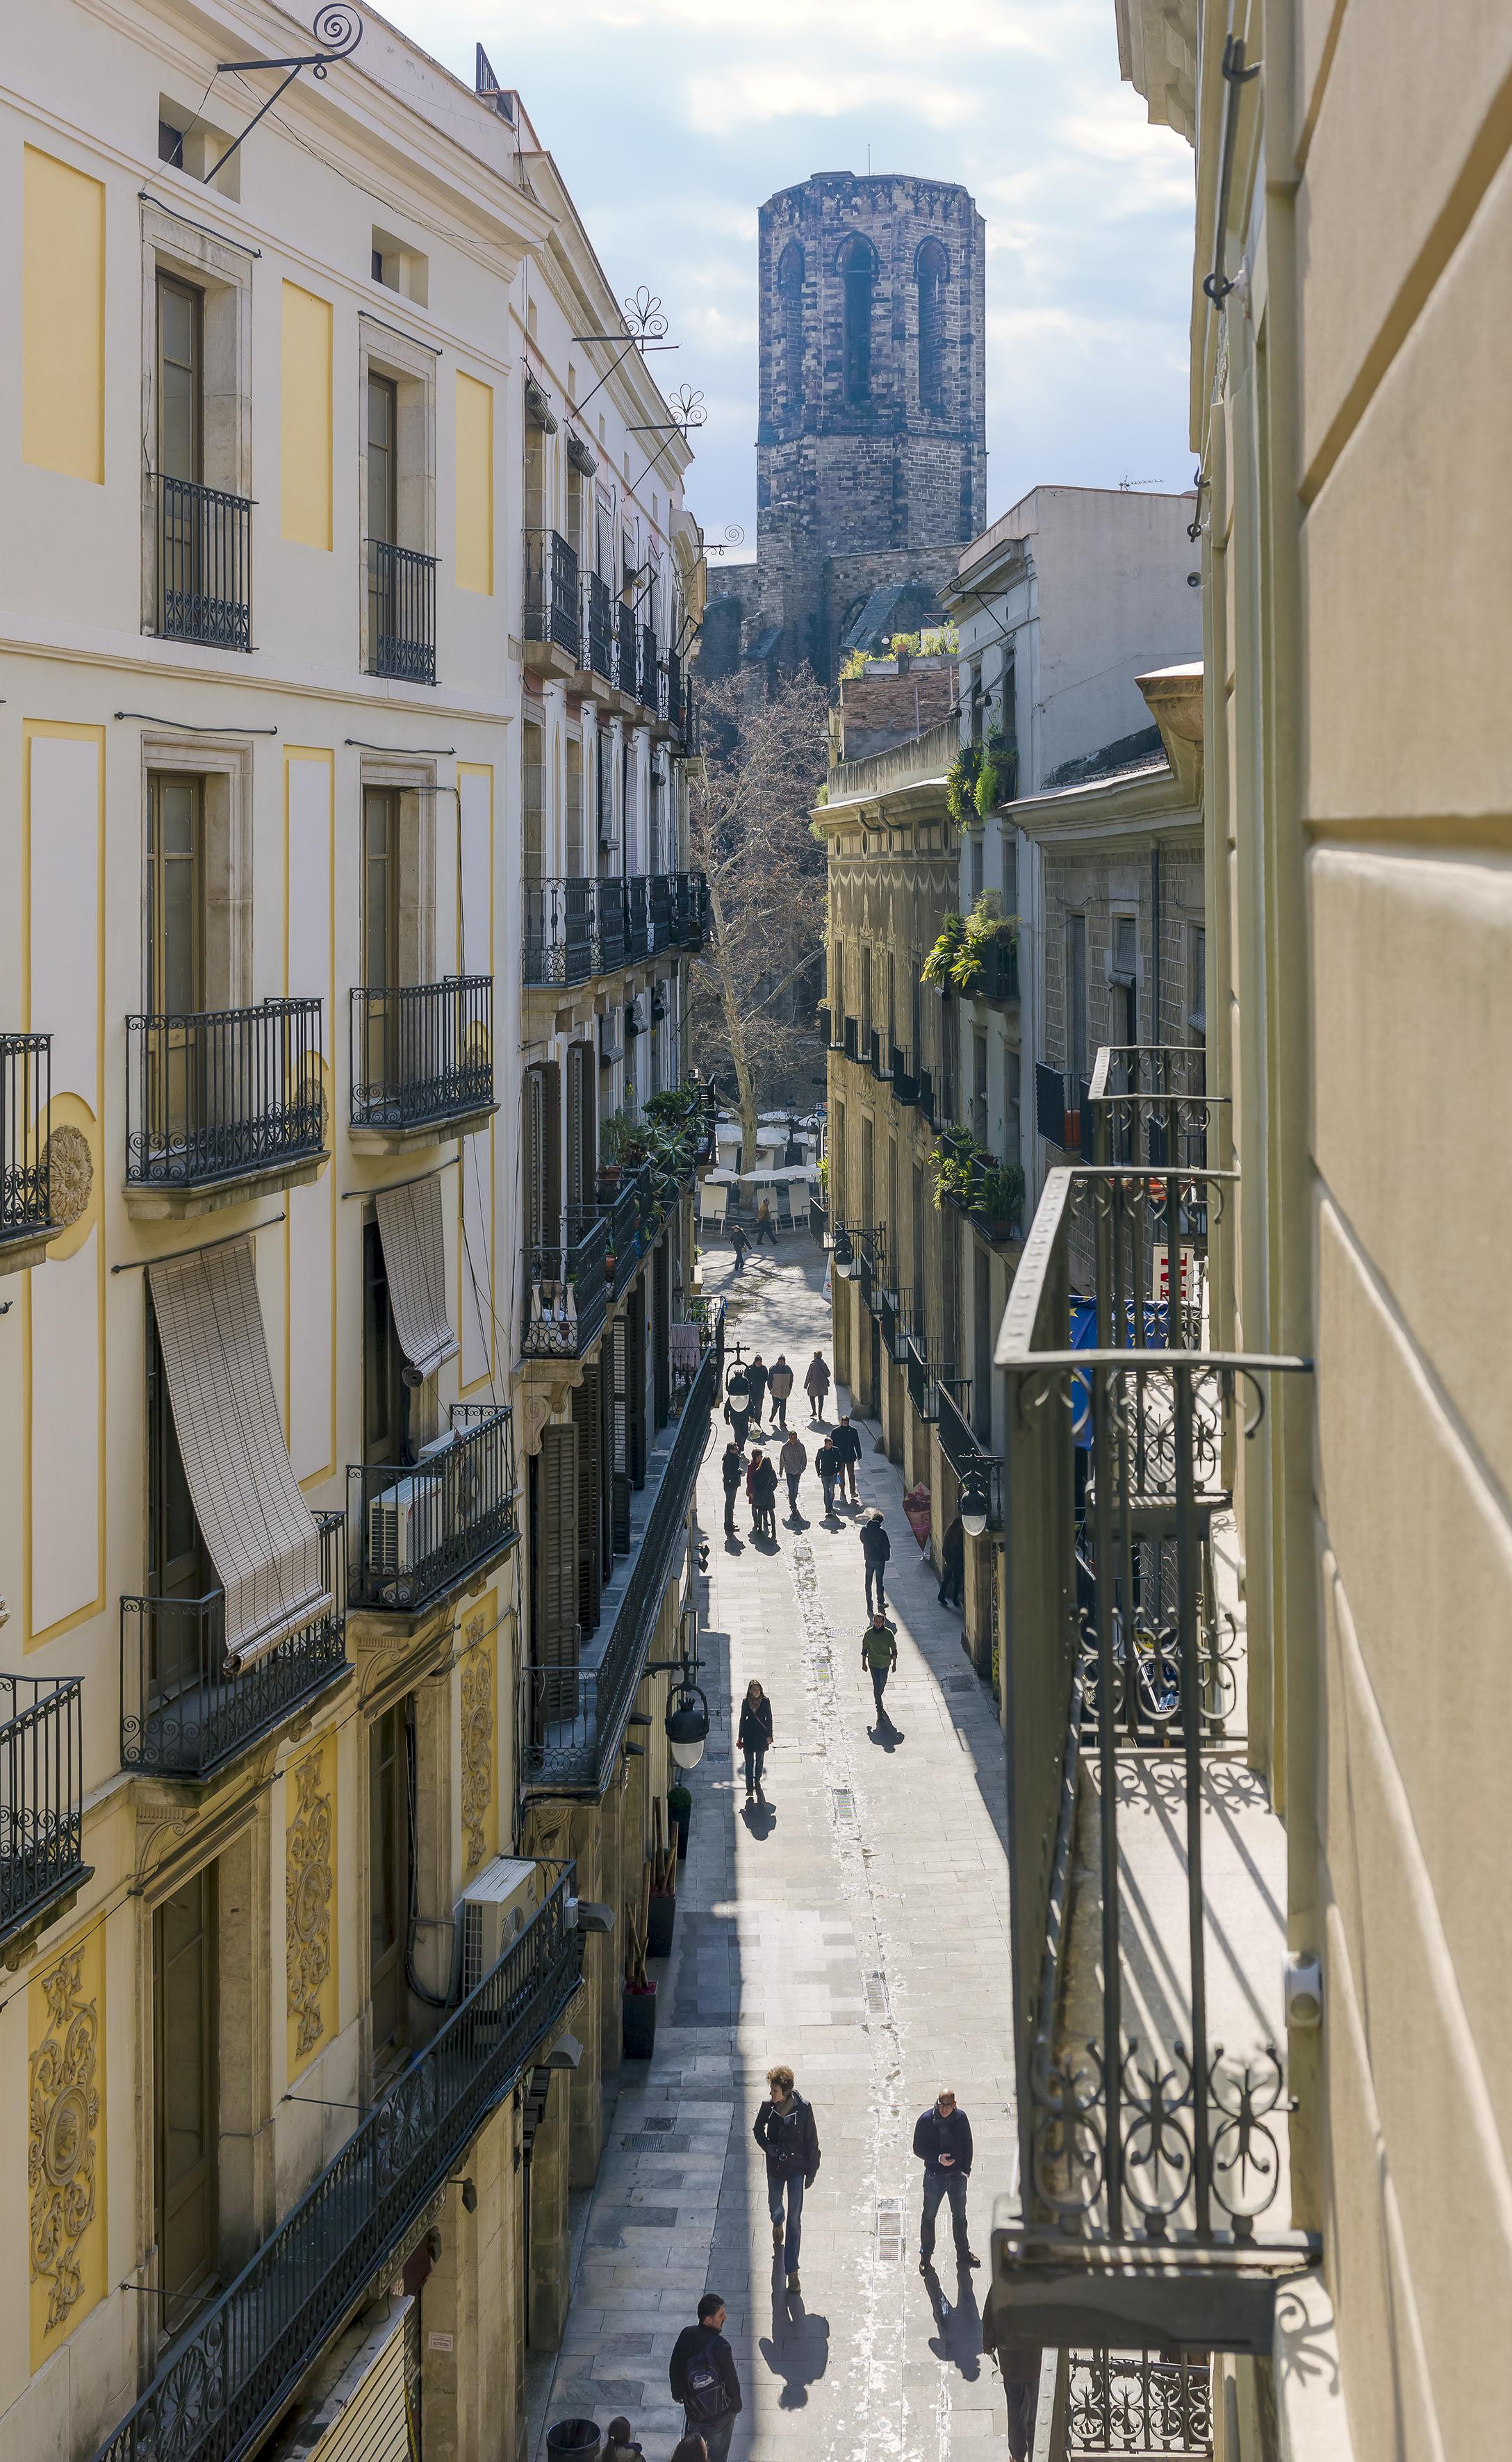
(856, 1927)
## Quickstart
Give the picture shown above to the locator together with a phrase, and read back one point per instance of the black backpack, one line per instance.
(706, 2396)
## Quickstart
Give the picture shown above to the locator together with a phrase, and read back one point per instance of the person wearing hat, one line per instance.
(875, 1549)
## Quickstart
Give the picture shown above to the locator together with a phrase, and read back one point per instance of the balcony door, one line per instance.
(185, 2091)
(180, 381)
(383, 518)
(381, 933)
(385, 1396)
(389, 1872)
(175, 955)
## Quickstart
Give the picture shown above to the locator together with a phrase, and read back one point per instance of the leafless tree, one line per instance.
(756, 985)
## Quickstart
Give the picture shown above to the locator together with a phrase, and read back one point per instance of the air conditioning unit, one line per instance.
(491, 1913)
(402, 1524)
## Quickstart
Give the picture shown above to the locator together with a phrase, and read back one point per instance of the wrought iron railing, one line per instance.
(818, 1222)
(999, 976)
(402, 612)
(1149, 1103)
(646, 685)
(672, 695)
(930, 1367)
(226, 2382)
(421, 1052)
(560, 919)
(926, 1094)
(637, 915)
(566, 1290)
(879, 1055)
(1133, 2403)
(418, 1529)
(26, 1095)
(183, 1713)
(659, 893)
(627, 664)
(223, 1093)
(553, 598)
(204, 565)
(600, 627)
(905, 1082)
(1149, 2148)
(576, 1717)
(41, 1796)
(851, 1039)
(976, 1466)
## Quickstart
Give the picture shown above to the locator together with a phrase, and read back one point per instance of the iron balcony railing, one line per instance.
(646, 687)
(673, 698)
(204, 565)
(930, 1369)
(401, 610)
(600, 627)
(905, 1082)
(690, 909)
(552, 597)
(819, 1223)
(1133, 2403)
(627, 664)
(975, 1465)
(423, 1052)
(183, 1713)
(226, 2382)
(576, 1716)
(999, 979)
(1150, 2156)
(822, 1016)
(926, 1094)
(26, 1095)
(893, 1316)
(562, 923)
(878, 1056)
(629, 1214)
(419, 1530)
(565, 1289)
(223, 1093)
(41, 1797)
(851, 1039)
(1143, 1103)
(658, 893)
(637, 915)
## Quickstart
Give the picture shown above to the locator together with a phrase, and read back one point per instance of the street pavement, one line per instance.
(856, 1927)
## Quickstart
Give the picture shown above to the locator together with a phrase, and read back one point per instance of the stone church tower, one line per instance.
(871, 452)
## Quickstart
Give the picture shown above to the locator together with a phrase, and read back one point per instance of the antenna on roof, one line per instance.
(486, 86)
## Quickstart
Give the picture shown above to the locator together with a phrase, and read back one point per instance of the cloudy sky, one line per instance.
(672, 120)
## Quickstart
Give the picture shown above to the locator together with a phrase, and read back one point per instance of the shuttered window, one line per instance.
(585, 1415)
(620, 1433)
(415, 1258)
(556, 1619)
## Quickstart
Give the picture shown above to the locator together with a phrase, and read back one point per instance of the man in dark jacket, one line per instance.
(827, 1462)
(846, 1443)
(756, 1385)
(942, 2142)
(785, 2131)
(875, 1549)
(738, 1411)
(952, 1563)
(701, 2375)
(732, 1466)
(779, 1384)
(793, 1461)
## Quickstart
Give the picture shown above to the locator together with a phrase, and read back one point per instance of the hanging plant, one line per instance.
(996, 780)
(943, 955)
(960, 784)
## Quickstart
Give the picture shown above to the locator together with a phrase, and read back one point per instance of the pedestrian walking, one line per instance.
(793, 1461)
(942, 2142)
(827, 1462)
(847, 1445)
(620, 2443)
(1018, 2360)
(738, 1411)
(732, 1465)
(702, 2377)
(952, 1564)
(879, 1657)
(756, 1387)
(816, 1384)
(765, 1228)
(740, 1244)
(761, 1490)
(875, 1549)
(785, 2131)
(754, 1736)
(779, 1384)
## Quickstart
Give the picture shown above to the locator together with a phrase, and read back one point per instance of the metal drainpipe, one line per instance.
(1154, 943)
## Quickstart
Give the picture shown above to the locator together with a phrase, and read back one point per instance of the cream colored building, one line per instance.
(289, 1969)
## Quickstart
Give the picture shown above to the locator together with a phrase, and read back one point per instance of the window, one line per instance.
(535, 804)
(837, 1188)
(1123, 1001)
(175, 872)
(1196, 985)
(979, 1089)
(982, 1331)
(176, 1565)
(1014, 1140)
(575, 864)
(932, 268)
(1076, 1000)
(399, 267)
(170, 144)
(382, 458)
(385, 1397)
(381, 870)
(790, 299)
(186, 2089)
(859, 274)
(180, 422)
(388, 1871)
(977, 864)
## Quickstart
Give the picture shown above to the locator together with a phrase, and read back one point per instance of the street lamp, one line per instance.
(687, 1725)
(975, 1504)
(847, 1263)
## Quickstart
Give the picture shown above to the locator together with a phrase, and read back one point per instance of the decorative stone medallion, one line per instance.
(477, 1744)
(308, 1893)
(70, 1174)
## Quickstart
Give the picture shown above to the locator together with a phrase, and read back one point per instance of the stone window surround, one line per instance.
(222, 273)
(416, 782)
(226, 770)
(411, 367)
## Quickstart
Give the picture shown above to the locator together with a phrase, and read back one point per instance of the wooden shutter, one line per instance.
(557, 1624)
(586, 1411)
(620, 1433)
(636, 1371)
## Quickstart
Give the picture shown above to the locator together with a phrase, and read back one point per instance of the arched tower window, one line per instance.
(932, 270)
(858, 272)
(789, 299)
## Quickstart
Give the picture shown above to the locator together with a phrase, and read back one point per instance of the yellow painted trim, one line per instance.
(472, 484)
(32, 728)
(62, 405)
(489, 1376)
(323, 752)
(306, 401)
(89, 1943)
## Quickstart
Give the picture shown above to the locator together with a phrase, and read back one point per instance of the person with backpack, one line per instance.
(702, 2377)
(816, 1384)
(779, 1384)
(846, 1443)
(732, 1465)
(620, 2443)
(827, 1462)
(785, 2131)
(875, 1549)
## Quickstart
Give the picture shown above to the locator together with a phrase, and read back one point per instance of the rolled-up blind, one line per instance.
(415, 1261)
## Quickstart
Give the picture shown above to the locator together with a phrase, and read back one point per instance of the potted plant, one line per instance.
(639, 1998)
(663, 1901)
(1000, 1197)
(679, 1812)
(960, 784)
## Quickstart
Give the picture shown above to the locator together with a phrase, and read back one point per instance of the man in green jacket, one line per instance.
(879, 1653)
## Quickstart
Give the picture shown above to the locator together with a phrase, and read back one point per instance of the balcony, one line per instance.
(627, 644)
(637, 916)
(227, 2380)
(893, 1316)
(1151, 2116)
(576, 1716)
(999, 979)
(552, 606)
(1143, 1104)
(976, 1467)
(42, 1864)
(204, 565)
(930, 1370)
(565, 1289)
(600, 627)
(925, 1083)
(880, 1057)
(222, 1104)
(183, 1713)
(423, 1529)
(401, 612)
(647, 688)
(851, 1045)
(26, 1176)
(672, 700)
(969, 1177)
(905, 1083)
(422, 1063)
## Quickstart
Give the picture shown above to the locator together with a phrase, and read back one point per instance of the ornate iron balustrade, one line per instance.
(879, 1061)
(576, 1716)
(223, 1093)
(421, 1052)
(999, 979)
(183, 1713)
(401, 612)
(226, 2382)
(893, 1316)
(600, 627)
(637, 915)
(926, 1094)
(627, 664)
(41, 1797)
(929, 1368)
(673, 697)
(627, 1212)
(658, 895)
(553, 597)
(1130, 2402)
(421, 1528)
(647, 686)
(905, 1083)
(614, 925)
(566, 1290)
(561, 929)
(851, 1039)
(1149, 2165)
(204, 565)
(690, 909)
(26, 1095)
(1149, 1104)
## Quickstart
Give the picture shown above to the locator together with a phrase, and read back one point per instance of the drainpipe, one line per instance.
(1154, 943)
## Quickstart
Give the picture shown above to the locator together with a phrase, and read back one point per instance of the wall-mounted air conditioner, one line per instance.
(491, 1913)
(402, 1525)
